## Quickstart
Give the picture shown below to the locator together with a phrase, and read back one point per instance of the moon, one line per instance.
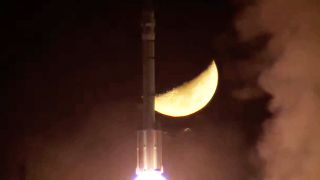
(191, 96)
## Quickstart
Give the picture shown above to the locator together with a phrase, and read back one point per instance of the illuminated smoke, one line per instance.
(290, 145)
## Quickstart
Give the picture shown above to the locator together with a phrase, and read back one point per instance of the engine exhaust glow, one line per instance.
(150, 175)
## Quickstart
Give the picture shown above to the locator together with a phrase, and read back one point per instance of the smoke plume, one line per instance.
(290, 145)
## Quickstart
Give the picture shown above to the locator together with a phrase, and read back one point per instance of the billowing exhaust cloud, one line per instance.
(290, 146)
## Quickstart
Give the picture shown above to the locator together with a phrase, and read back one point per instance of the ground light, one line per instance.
(150, 175)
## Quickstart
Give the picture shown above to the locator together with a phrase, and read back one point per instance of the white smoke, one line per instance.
(290, 146)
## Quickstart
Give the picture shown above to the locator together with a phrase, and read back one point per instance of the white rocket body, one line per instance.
(149, 136)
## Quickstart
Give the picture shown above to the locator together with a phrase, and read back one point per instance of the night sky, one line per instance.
(73, 84)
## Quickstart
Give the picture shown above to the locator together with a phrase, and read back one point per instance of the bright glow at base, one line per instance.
(150, 175)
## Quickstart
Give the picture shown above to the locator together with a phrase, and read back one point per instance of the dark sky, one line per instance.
(72, 90)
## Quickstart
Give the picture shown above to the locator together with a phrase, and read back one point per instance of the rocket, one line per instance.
(149, 134)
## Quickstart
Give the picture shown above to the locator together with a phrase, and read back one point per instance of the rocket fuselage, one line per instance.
(148, 60)
(149, 138)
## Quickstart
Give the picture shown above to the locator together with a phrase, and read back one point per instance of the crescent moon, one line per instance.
(191, 96)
